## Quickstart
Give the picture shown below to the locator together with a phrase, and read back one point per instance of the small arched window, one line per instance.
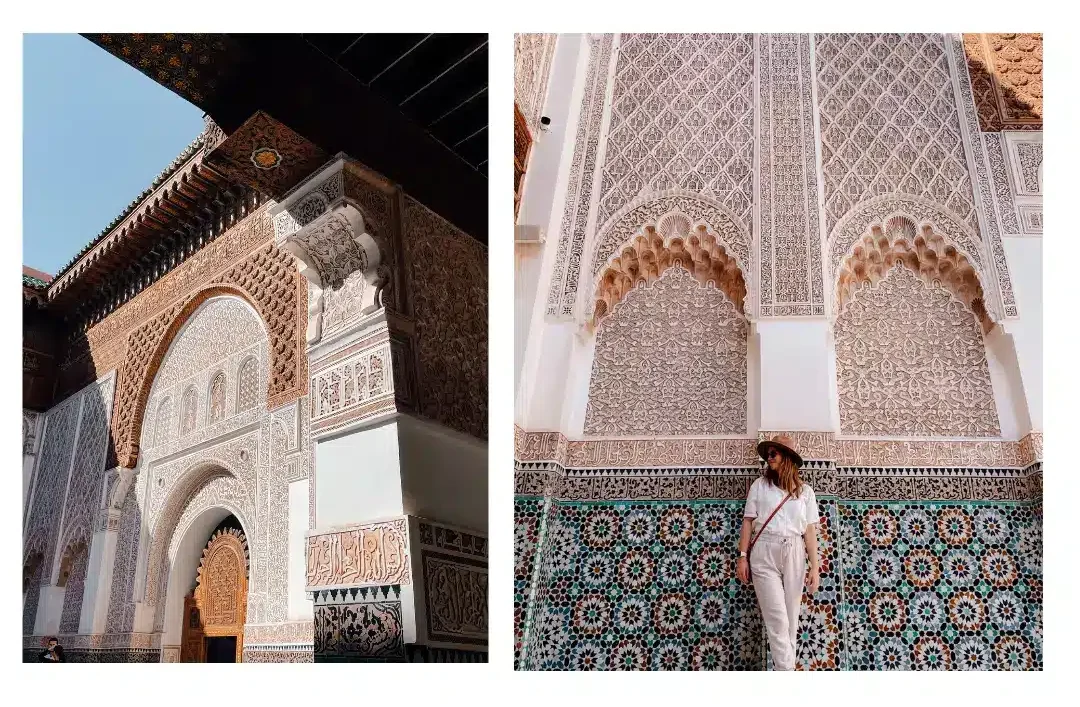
(247, 385)
(217, 399)
(162, 422)
(188, 410)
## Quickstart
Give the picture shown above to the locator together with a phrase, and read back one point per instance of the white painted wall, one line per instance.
(1025, 267)
(528, 259)
(357, 477)
(1008, 388)
(299, 607)
(444, 474)
(796, 392)
(543, 364)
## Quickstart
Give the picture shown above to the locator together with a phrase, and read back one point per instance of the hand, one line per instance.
(742, 570)
(813, 580)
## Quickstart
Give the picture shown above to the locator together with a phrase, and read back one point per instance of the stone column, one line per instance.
(95, 604)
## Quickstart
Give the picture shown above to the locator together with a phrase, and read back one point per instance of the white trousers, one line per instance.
(778, 566)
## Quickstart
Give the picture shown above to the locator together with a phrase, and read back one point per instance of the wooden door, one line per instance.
(218, 606)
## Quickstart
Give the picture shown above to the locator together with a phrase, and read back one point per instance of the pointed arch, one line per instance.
(728, 230)
(269, 281)
(926, 253)
(879, 211)
(649, 254)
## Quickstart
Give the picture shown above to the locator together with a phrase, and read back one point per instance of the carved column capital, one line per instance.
(331, 242)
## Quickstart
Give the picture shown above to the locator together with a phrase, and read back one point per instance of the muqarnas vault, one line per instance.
(721, 238)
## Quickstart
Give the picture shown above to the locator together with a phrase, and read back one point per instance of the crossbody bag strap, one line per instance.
(763, 525)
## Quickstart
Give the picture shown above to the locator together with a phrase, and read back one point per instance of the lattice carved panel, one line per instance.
(889, 123)
(682, 116)
(671, 359)
(88, 467)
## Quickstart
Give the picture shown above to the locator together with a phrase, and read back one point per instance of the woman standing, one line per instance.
(779, 534)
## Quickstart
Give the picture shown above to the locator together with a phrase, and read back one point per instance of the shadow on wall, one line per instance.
(984, 80)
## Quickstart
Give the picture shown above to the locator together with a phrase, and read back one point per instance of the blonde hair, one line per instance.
(788, 476)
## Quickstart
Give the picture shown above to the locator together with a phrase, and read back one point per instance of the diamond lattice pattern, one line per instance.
(682, 117)
(889, 122)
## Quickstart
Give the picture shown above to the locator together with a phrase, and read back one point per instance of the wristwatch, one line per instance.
(742, 553)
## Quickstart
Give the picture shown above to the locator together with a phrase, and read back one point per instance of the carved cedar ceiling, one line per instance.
(926, 254)
(649, 255)
(1006, 79)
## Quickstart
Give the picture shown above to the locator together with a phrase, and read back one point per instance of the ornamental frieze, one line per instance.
(367, 555)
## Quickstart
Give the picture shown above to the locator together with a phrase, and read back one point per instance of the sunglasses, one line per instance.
(772, 453)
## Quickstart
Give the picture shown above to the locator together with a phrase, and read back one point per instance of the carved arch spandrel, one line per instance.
(651, 210)
(928, 254)
(267, 280)
(879, 210)
(673, 240)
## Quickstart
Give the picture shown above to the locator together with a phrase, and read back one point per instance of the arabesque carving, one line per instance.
(926, 254)
(270, 283)
(910, 361)
(670, 360)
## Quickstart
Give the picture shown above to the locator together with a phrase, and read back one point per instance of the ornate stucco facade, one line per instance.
(723, 237)
(291, 387)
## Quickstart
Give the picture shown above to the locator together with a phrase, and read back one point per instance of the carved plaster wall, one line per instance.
(562, 294)
(448, 285)
(1006, 78)
(533, 54)
(66, 493)
(788, 210)
(911, 362)
(241, 462)
(889, 123)
(670, 360)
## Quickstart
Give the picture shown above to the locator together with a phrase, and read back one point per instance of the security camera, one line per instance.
(545, 123)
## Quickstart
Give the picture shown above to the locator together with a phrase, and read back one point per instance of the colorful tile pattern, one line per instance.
(941, 586)
(651, 585)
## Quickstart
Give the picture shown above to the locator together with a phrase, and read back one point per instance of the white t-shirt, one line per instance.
(792, 518)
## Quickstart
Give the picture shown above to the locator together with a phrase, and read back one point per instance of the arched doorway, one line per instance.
(216, 607)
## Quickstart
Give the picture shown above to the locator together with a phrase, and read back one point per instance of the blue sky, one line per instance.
(95, 134)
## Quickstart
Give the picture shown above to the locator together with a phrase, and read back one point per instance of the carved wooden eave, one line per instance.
(190, 204)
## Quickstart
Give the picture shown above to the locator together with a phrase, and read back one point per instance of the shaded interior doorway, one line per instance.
(221, 649)
(216, 608)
